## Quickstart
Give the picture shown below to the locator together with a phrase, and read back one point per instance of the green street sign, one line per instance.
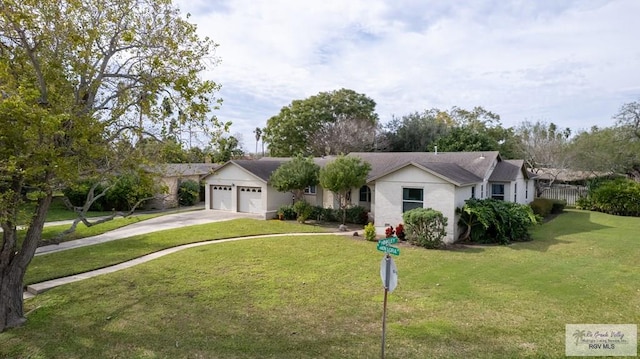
(388, 249)
(389, 240)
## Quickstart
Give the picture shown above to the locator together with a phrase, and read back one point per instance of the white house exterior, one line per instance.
(397, 182)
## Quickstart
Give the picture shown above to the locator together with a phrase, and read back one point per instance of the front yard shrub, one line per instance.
(77, 195)
(558, 206)
(357, 215)
(495, 221)
(128, 190)
(425, 227)
(541, 206)
(188, 193)
(287, 212)
(620, 196)
(370, 232)
(303, 210)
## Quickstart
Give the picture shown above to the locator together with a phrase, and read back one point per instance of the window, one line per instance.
(412, 198)
(497, 191)
(482, 191)
(515, 193)
(365, 194)
(473, 192)
(526, 190)
(310, 190)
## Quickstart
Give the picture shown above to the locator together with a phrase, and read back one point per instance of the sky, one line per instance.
(571, 62)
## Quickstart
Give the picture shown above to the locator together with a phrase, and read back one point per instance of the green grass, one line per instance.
(321, 297)
(82, 231)
(83, 259)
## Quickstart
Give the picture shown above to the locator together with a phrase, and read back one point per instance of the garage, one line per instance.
(220, 197)
(250, 199)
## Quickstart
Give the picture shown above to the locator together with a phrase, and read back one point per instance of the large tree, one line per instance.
(610, 150)
(295, 175)
(629, 117)
(328, 123)
(343, 174)
(415, 132)
(545, 148)
(80, 83)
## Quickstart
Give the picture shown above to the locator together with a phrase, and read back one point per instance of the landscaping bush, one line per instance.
(620, 196)
(425, 227)
(541, 206)
(77, 195)
(400, 232)
(558, 206)
(287, 212)
(357, 215)
(127, 190)
(495, 221)
(188, 193)
(303, 210)
(370, 232)
(323, 214)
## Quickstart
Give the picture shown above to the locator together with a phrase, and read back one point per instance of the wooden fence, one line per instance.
(566, 192)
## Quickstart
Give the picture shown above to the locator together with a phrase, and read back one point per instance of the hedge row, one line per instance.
(620, 196)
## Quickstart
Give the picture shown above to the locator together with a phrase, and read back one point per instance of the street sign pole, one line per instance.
(384, 306)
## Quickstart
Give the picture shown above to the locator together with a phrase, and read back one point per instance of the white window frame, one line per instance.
(311, 190)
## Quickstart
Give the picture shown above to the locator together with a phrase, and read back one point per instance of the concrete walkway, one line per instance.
(38, 288)
(168, 221)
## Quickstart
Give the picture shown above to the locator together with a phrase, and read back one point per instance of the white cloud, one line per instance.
(571, 62)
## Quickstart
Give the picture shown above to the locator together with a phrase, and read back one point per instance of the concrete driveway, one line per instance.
(168, 221)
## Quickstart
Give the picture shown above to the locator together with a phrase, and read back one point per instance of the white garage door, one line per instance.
(250, 199)
(220, 197)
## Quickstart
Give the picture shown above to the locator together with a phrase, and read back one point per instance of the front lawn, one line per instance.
(321, 297)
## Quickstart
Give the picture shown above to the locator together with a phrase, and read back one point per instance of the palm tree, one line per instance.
(579, 334)
(258, 133)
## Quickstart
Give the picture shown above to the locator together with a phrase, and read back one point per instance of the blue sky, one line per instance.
(573, 63)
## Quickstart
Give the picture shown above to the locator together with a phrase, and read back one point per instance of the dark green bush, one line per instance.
(287, 212)
(323, 214)
(188, 193)
(558, 206)
(128, 190)
(425, 227)
(495, 221)
(542, 206)
(77, 195)
(357, 215)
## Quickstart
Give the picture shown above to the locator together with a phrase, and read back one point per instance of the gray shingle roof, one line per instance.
(261, 168)
(459, 167)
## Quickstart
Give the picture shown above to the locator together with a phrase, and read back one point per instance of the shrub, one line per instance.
(357, 215)
(558, 206)
(303, 210)
(542, 206)
(425, 227)
(495, 221)
(620, 196)
(370, 232)
(188, 193)
(400, 232)
(389, 232)
(129, 189)
(287, 212)
(77, 195)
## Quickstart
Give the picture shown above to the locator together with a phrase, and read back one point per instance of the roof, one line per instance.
(459, 167)
(262, 168)
(184, 169)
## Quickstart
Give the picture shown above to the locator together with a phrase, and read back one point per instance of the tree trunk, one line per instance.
(11, 312)
(14, 260)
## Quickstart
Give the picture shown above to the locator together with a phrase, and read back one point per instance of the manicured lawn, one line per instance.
(82, 231)
(321, 297)
(83, 259)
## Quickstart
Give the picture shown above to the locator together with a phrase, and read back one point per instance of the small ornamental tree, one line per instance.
(425, 227)
(343, 174)
(295, 175)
